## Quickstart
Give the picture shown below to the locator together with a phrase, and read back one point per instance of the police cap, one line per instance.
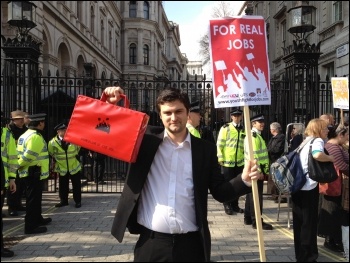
(194, 106)
(60, 126)
(236, 111)
(259, 117)
(37, 117)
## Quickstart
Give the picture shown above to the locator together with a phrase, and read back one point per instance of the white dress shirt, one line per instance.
(167, 199)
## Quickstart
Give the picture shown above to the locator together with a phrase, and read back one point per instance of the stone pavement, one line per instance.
(83, 234)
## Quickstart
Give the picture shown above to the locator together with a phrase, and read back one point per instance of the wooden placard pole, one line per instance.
(254, 187)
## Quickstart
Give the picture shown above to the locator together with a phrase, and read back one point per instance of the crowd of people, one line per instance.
(164, 198)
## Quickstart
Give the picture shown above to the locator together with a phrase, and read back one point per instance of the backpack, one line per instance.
(287, 172)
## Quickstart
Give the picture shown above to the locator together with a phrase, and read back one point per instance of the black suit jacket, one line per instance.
(206, 175)
(275, 147)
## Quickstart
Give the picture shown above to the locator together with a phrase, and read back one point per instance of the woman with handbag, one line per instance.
(331, 214)
(305, 201)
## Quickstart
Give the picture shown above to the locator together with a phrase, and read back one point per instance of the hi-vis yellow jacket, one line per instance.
(230, 146)
(9, 155)
(260, 151)
(66, 160)
(32, 151)
(193, 130)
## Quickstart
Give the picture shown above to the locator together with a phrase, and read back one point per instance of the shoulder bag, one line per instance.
(322, 172)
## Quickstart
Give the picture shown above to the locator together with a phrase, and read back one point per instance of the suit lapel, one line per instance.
(197, 161)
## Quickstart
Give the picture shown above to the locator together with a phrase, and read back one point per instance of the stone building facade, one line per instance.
(119, 38)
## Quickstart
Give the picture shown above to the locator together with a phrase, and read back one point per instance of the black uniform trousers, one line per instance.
(229, 174)
(2, 223)
(153, 246)
(14, 200)
(249, 210)
(64, 187)
(305, 217)
(34, 191)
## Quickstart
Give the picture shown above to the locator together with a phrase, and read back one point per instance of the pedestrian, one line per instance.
(9, 166)
(99, 167)
(65, 155)
(194, 118)
(14, 199)
(262, 157)
(305, 201)
(165, 194)
(33, 160)
(230, 152)
(331, 211)
(296, 138)
(275, 148)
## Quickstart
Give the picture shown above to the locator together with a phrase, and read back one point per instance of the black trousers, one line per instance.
(249, 210)
(305, 216)
(34, 190)
(14, 200)
(159, 247)
(99, 169)
(2, 223)
(64, 187)
(229, 174)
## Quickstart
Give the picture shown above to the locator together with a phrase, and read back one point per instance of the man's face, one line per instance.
(61, 132)
(195, 118)
(174, 117)
(259, 125)
(18, 122)
(236, 118)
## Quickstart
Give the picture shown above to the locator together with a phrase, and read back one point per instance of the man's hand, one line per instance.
(251, 172)
(113, 94)
(12, 186)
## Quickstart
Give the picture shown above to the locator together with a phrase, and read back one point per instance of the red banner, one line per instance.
(240, 64)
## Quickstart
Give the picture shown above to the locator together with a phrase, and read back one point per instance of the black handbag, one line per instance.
(322, 172)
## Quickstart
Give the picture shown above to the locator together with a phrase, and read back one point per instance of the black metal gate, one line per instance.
(56, 95)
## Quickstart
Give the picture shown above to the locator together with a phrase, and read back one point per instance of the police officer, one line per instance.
(194, 118)
(33, 159)
(262, 157)
(67, 166)
(230, 151)
(14, 200)
(9, 165)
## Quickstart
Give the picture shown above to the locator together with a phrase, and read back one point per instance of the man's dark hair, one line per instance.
(172, 94)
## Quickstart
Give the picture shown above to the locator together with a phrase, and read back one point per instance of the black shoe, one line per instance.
(21, 208)
(45, 221)
(334, 247)
(102, 182)
(248, 220)
(38, 230)
(228, 209)
(283, 200)
(77, 205)
(60, 204)
(13, 213)
(237, 209)
(6, 253)
(265, 226)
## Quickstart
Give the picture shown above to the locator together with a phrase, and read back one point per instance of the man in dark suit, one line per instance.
(166, 190)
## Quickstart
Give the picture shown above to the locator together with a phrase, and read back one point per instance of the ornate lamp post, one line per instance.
(20, 72)
(301, 65)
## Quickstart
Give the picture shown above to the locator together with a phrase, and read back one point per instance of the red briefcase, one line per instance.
(106, 128)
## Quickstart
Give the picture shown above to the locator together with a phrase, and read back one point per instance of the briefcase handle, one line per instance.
(123, 96)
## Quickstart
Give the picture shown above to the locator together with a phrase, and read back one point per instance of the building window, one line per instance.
(338, 11)
(145, 55)
(110, 42)
(102, 33)
(283, 31)
(79, 10)
(132, 9)
(146, 10)
(132, 54)
(116, 49)
(92, 21)
(329, 69)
